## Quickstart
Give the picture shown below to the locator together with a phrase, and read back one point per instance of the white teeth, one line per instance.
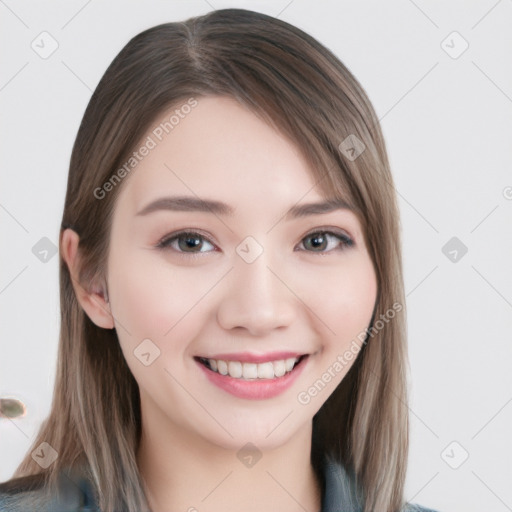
(235, 369)
(266, 371)
(250, 371)
(222, 367)
(279, 368)
(289, 364)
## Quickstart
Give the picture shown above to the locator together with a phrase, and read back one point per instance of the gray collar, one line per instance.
(77, 494)
(341, 493)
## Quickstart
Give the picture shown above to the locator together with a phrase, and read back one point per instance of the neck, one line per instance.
(182, 471)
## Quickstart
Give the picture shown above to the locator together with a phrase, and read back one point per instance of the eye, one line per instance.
(186, 242)
(192, 242)
(326, 241)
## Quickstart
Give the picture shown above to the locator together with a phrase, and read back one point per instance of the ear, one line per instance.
(94, 300)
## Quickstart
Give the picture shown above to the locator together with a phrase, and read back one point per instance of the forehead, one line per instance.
(218, 148)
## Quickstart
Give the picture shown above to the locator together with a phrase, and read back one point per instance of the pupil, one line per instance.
(318, 241)
(189, 242)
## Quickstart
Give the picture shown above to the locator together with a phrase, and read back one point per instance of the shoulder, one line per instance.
(412, 507)
(342, 493)
(20, 494)
(28, 494)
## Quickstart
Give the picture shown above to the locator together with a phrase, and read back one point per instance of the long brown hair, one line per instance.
(302, 89)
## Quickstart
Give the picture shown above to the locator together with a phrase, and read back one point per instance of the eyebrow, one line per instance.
(195, 204)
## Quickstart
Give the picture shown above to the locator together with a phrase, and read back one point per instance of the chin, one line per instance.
(266, 432)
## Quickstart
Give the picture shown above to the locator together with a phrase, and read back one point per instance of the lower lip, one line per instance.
(254, 389)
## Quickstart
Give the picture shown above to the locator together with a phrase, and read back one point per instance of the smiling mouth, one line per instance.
(252, 371)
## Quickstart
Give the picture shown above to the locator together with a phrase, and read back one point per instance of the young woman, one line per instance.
(232, 301)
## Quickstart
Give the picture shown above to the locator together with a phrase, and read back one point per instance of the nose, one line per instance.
(256, 298)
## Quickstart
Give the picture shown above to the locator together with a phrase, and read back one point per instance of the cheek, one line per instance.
(343, 307)
(344, 299)
(156, 301)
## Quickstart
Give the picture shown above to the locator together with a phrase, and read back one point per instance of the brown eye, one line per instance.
(319, 241)
(186, 241)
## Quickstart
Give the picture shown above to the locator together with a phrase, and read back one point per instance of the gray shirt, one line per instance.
(340, 494)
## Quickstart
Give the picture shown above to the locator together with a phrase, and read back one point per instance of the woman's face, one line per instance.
(252, 290)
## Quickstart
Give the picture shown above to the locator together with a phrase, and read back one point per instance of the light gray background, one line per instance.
(447, 123)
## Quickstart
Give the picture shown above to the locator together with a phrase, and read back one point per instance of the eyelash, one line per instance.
(164, 243)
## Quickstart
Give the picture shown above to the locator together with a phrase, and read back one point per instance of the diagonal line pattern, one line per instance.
(412, 498)
(75, 15)
(13, 217)
(217, 486)
(199, 403)
(503, 407)
(284, 8)
(492, 81)
(424, 14)
(416, 415)
(508, 508)
(28, 437)
(406, 404)
(12, 12)
(280, 423)
(171, 170)
(392, 186)
(14, 76)
(412, 88)
(428, 275)
(489, 283)
(286, 491)
(13, 279)
(72, 72)
(13, 422)
(485, 15)
(488, 215)
(211, 5)
(418, 212)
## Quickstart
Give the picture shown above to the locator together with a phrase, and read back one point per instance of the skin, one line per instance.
(294, 296)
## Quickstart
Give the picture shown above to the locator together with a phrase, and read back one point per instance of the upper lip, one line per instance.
(250, 357)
